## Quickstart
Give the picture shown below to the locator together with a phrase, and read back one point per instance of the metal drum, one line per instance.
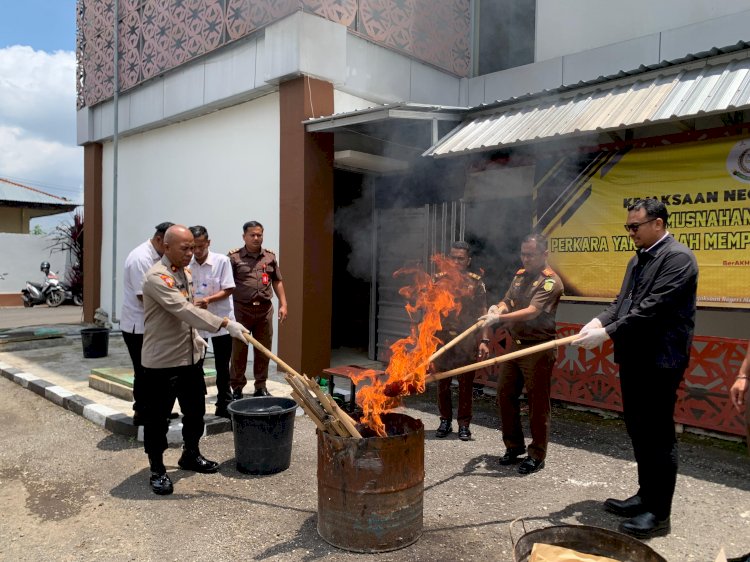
(584, 538)
(370, 490)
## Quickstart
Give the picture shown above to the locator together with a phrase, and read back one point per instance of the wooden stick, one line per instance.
(267, 352)
(332, 408)
(323, 411)
(503, 358)
(299, 400)
(312, 404)
(454, 341)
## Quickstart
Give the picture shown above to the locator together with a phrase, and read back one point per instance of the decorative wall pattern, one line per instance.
(158, 35)
(591, 378)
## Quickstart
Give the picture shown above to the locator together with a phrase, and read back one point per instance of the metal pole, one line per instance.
(115, 135)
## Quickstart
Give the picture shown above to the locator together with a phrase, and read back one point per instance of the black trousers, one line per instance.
(134, 343)
(648, 400)
(160, 389)
(222, 355)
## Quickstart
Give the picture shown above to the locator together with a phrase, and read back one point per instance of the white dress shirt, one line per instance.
(210, 277)
(138, 262)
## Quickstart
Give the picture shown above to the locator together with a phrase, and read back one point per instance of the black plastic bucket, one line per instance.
(263, 430)
(95, 342)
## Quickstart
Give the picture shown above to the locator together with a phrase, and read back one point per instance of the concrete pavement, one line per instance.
(77, 512)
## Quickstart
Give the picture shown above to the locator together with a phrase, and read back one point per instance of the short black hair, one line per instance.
(541, 241)
(461, 245)
(654, 208)
(251, 224)
(199, 231)
(162, 227)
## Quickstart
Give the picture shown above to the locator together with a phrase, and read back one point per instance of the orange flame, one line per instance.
(407, 368)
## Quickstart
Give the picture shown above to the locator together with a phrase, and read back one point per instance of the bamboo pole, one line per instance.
(268, 353)
(317, 421)
(503, 358)
(332, 408)
(463, 335)
(342, 421)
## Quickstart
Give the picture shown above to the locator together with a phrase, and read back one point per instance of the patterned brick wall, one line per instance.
(158, 35)
(590, 378)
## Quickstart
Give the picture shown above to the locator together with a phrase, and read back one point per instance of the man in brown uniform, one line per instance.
(172, 357)
(528, 312)
(473, 305)
(257, 277)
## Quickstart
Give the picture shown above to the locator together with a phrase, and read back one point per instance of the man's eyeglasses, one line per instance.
(634, 226)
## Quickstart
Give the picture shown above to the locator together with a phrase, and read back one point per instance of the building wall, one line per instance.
(572, 26)
(219, 170)
(156, 36)
(610, 54)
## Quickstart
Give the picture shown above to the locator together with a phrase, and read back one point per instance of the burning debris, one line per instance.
(433, 298)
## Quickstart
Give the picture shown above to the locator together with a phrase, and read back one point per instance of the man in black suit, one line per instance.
(651, 324)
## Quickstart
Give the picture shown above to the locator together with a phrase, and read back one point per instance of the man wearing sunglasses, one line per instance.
(651, 325)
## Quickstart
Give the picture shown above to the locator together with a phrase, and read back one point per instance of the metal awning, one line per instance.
(675, 93)
(370, 115)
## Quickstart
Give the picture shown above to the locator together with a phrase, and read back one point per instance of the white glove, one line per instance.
(202, 345)
(492, 316)
(591, 338)
(595, 323)
(237, 331)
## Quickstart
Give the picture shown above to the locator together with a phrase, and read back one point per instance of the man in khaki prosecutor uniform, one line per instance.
(257, 277)
(528, 312)
(173, 357)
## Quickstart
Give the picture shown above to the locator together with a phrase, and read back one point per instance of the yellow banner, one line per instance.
(706, 187)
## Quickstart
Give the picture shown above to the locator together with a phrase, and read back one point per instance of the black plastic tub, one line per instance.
(95, 342)
(263, 430)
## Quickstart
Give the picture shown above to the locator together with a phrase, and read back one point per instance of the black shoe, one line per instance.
(222, 412)
(530, 465)
(193, 460)
(511, 456)
(261, 392)
(444, 429)
(625, 508)
(237, 394)
(138, 419)
(463, 433)
(161, 484)
(645, 526)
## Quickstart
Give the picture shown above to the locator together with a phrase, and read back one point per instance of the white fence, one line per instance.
(20, 256)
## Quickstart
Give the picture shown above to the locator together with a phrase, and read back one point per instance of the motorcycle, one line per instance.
(71, 295)
(50, 292)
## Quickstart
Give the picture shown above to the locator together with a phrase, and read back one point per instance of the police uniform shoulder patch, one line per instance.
(269, 251)
(549, 283)
(475, 276)
(234, 251)
(168, 281)
(547, 271)
(439, 275)
(521, 271)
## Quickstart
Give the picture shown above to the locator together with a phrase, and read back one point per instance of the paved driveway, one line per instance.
(18, 316)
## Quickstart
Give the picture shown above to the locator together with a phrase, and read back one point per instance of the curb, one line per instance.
(103, 416)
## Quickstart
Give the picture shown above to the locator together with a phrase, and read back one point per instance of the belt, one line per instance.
(259, 303)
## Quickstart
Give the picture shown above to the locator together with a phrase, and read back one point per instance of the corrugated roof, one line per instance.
(14, 192)
(673, 93)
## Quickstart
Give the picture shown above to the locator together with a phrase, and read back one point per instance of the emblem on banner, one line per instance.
(738, 161)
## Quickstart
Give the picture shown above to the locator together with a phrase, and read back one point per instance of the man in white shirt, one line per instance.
(137, 264)
(213, 283)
